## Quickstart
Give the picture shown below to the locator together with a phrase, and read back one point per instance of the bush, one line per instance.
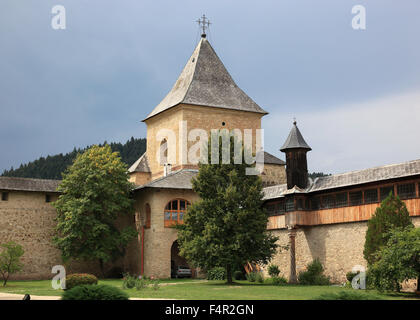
(279, 281)
(251, 277)
(348, 295)
(129, 281)
(350, 275)
(273, 270)
(239, 275)
(392, 214)
(314, 275)
(140, 284)
(98, 292)
(259, 277)
(78, 279)
(398, 261)
(217, 273)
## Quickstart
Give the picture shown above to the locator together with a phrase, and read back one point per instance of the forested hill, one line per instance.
(51, 167)
(315, 175)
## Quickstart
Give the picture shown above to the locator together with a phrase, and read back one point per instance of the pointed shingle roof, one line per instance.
(295, 140)
(141, 165)
(204, 81)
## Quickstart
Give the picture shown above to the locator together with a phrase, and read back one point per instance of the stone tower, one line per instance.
(204, 97)
(296, 148)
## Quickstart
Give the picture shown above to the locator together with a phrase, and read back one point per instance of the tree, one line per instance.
(228, 225)
(391, 214)
(398, 261)
(10, 260)
(94, 192)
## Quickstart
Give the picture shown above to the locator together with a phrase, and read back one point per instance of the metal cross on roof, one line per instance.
(204, 23)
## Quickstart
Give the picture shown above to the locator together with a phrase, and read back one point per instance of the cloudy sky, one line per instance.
(355, 93)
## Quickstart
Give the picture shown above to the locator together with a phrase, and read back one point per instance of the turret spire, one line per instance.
(296, 148)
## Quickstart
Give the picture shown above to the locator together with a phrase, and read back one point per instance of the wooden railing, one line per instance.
(336, 215)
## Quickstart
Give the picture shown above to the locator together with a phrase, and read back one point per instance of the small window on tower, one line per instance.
(47, 198)
(148, 216)
(4, 196)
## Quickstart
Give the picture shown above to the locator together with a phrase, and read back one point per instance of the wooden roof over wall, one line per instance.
(27, 184)
(353, 178)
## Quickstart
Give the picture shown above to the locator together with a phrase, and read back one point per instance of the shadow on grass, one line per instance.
(410, 295)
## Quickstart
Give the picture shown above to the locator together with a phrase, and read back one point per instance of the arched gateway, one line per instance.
(178, 261)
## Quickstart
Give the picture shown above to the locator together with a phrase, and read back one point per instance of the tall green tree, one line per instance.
(398, 261)
(10, 263)
(391, 214)
(94, 192)
(228, 225)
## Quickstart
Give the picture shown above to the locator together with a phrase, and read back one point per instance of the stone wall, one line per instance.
(140, 178)
(339, 247)
(29, 221)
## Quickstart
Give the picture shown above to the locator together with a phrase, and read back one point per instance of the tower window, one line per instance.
(174, 212)
(385, 191)
(4, 196)
(47, 198)
(371, 196)
(148, 221)
(163, 152)
(407, 191)
(223, 123)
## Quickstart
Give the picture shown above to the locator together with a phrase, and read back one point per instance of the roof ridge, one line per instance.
(361, 170)
(29, 179)
(195, 69)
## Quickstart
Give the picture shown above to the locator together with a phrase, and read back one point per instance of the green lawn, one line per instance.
(196, 289)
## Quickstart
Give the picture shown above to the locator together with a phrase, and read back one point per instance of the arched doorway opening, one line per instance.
(178, 262)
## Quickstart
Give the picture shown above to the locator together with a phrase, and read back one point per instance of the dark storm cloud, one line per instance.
(116, 60)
